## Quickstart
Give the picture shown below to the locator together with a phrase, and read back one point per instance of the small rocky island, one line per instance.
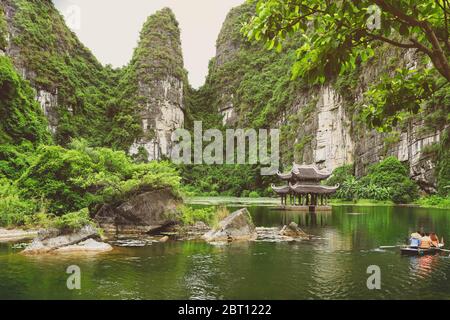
(54, 241)
(151, 215)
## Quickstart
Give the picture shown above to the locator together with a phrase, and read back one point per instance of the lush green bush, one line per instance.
(76, 178)
(191, 215)
(209, 215)
(254, 194)
(348, 189)
(375, 192)
(435, 201)
(14, 209)
(387, 180)
(72, 221)
(339, 175)
(391, 173)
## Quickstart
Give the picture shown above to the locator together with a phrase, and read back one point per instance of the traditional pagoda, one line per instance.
(302, 185)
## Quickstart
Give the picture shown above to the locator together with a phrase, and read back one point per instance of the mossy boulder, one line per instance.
(144, 213)
(237, 226)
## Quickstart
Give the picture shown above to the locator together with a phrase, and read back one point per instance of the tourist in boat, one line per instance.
(416, 235)
(434, 240)
(425, 242)
(414, 239)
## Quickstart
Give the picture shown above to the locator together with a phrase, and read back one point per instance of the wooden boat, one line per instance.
(418, 251)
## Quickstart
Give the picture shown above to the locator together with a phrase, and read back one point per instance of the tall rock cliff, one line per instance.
(319, 124)
(70, 83)
(157, 68)
(129, 108)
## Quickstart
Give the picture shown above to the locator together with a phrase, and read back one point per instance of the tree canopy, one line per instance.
(337, 35)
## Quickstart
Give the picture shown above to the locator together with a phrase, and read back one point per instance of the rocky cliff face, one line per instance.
(9, 31)
(138, 107)
(60, 69)
(135, 108)
(318, 124)
(158, 63)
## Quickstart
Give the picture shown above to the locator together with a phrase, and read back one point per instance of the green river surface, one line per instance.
(332, 267)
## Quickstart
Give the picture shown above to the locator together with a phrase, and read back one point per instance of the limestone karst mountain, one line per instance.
(136, 108)
(319, 124)
(129, 108)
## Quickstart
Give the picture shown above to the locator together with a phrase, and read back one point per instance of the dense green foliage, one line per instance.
(340, 175)
(210, 215)
(3, 29)
(225, 180)
(23, 125)
(434, 201)
(62, 65)
(97, 103)
(14, 209)
(387, 180)
(22, 117)
(71, 221)
(79, 177)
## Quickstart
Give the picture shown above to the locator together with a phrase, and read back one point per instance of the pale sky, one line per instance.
(110, 28)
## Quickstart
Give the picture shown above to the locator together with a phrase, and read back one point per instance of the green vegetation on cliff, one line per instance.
(3, 29)
(99, 104)
(101, 108)
(42, 183)
(23, 125)
(59, 64)
(159, 52)
(22, 117)
(157, 59)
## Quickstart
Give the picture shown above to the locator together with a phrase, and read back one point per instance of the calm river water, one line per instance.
(333, 267)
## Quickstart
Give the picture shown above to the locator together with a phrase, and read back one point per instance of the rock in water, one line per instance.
(237, 226)
(54, 241)
(292, 230)
(146, 212)
(164, 239)
(89, 245)
(16, 235)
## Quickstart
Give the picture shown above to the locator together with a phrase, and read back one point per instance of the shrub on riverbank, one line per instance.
(391, 173)
(14, 209)
(386, 180)
(210, 215)
(59, 181)
(434, 201)
(79, 177)
(340, 175)
(225, 180)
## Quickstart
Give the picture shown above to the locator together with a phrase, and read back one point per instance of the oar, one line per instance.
(390, 247)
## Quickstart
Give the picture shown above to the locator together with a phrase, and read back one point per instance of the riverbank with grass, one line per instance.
(434, 201)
